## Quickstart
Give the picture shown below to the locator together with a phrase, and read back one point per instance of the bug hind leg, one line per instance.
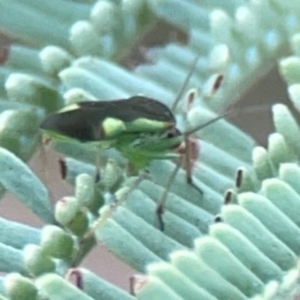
(161, 205)
(188, 155)
(191, 182)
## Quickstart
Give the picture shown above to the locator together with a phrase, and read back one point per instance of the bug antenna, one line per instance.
(237, 111)
(211, 121)
(185, 83)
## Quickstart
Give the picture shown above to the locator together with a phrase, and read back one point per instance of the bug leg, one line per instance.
(131, 285)
(188, 157)
(97, 169)
(161, 205)
(190, 181)
(109, 212)
(159, 212)
(186, 161)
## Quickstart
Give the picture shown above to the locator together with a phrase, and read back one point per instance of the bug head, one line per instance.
(169, 139)
(173, 137)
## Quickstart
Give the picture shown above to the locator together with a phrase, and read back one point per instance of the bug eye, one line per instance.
(170, 135)
(173, 133)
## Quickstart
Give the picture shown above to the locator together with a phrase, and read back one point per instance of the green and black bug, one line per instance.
(140, 128)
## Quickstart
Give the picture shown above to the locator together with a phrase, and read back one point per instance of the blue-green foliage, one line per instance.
(67, 52)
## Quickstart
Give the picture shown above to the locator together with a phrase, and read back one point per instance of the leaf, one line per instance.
(23, 183)
(235, 41)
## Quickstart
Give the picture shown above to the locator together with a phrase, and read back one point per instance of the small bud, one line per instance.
(32, 90)
(80, 224)
(104, 17)
(18, 287)
(66, 210)
(75, 95)
(221, 25)
(56, 242)
(112, 175)
(54, 59)
(84, 39)
(85, 189)
(219, 57)
(37, 261)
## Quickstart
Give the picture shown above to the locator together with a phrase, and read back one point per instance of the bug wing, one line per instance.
(101, 120)
(143, 107)
(79, 124)
(128, 110)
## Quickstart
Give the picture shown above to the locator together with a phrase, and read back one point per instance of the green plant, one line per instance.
(253, 251)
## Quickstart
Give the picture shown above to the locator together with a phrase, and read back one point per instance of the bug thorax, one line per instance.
(140, 149)
(166, 140)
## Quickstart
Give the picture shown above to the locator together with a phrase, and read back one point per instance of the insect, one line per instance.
(140, 128)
